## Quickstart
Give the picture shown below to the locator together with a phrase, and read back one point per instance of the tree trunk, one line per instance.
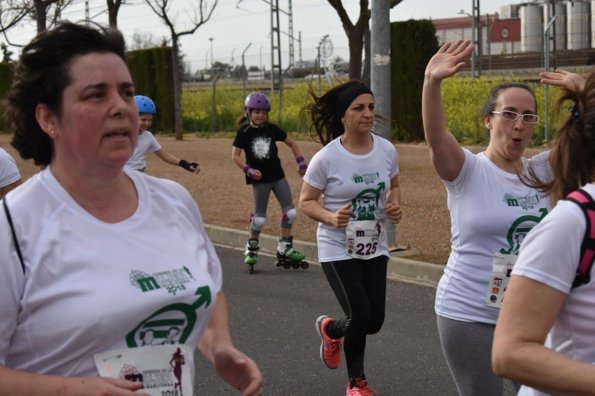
(40, 15)
(178, 130)
(366, 76)
(113, 6)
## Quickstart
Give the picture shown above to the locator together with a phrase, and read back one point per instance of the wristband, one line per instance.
(301, 161)
(248, 170)
(190, 167)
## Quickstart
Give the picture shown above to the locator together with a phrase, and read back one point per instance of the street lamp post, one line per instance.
(473, 40)
(211, 40)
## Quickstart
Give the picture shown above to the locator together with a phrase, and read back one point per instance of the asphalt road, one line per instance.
(272, 315)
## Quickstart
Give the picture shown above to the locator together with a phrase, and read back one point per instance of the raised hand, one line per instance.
(449, 59)
(564, 79)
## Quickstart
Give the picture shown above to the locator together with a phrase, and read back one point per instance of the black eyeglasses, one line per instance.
(512, 116)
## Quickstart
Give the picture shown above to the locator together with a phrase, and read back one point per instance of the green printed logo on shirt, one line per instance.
(173, 281)
(519, 229)
(366, 202)
(367, 178)
(171, 324)
(525, 202)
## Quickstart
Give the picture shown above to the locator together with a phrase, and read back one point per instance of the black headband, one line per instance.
(348, 95)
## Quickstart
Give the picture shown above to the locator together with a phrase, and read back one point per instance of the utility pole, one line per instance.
(276, 71)
(244, 71)
(477, 43)
(381, 80)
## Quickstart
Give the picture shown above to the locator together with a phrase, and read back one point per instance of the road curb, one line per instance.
(399, 268)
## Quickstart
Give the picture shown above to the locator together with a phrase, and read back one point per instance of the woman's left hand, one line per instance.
(393, 212)
(239, 371)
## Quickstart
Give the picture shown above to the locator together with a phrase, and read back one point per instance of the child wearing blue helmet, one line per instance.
(147, 142)
(262, 166)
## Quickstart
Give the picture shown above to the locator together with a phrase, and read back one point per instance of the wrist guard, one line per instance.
(189, 166)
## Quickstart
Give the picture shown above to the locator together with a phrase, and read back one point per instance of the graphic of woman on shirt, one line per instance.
(177, 360)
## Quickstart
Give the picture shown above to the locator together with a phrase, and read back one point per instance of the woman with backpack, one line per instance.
(544, 336)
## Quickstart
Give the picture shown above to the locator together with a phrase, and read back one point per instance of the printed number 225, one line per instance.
(366, 249)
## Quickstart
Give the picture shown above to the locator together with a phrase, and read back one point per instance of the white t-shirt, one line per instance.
(550, 255)
(491, 211)
(9, 173)
(145, 142)
(91, 286)
(362, 180)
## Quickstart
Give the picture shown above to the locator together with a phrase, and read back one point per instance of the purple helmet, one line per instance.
(257, 101)
(145, 104)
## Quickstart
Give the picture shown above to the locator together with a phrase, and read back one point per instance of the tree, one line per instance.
(144, 40)
(14, 11)
(198, 15)
(356, 34)
(113, 6)
(43, 8)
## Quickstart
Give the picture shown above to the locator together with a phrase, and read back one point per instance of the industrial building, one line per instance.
(522, 34)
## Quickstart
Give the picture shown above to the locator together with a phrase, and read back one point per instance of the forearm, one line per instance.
(217, 334)
(539, 367)
(314, 210)
(432, 110)
(16, 383)
(167, 157)
(394, 195)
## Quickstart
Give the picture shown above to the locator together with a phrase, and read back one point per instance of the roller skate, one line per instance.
(251, 253)
(288, 257)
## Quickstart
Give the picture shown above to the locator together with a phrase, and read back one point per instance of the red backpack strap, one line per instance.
(583, 272)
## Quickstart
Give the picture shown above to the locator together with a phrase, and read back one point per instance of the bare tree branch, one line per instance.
(12, 12)
(196, 16)
(358, 34)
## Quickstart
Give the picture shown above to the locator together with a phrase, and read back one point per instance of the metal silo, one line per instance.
(559, 24)
(531, 27)
(578, 24)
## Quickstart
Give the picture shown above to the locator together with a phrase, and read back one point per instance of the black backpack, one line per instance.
(587, 257)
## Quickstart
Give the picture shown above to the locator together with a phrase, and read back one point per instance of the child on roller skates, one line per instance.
(147, 142)
(257, 138)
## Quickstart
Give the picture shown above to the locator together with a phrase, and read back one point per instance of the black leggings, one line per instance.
(360, 287)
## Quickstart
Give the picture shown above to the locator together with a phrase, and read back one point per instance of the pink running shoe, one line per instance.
(330, 350)
(360, 388)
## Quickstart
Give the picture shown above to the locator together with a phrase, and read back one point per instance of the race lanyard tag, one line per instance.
(164, 370)
(501, 269)
(362, 238)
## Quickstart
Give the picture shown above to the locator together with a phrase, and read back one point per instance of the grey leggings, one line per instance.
(467, 347)
(261, 193)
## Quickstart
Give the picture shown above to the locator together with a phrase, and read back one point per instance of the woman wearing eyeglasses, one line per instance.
(491, 211)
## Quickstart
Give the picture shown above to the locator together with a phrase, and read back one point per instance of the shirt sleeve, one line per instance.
(280, 134)
(317, 172)
(550, 252)
(11, 286)
(9, 173)
(154, 146)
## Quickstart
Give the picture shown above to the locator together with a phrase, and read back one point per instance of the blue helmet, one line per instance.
(145, 104)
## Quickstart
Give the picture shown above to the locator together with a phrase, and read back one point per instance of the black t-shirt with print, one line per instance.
(260, 146)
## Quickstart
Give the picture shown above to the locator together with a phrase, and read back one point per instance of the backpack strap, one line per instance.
(14, 235)
(587, 255)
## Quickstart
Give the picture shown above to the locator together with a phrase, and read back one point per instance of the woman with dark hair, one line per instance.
(544, 337)
(88, 263)
(491, 211)
(357, 175)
